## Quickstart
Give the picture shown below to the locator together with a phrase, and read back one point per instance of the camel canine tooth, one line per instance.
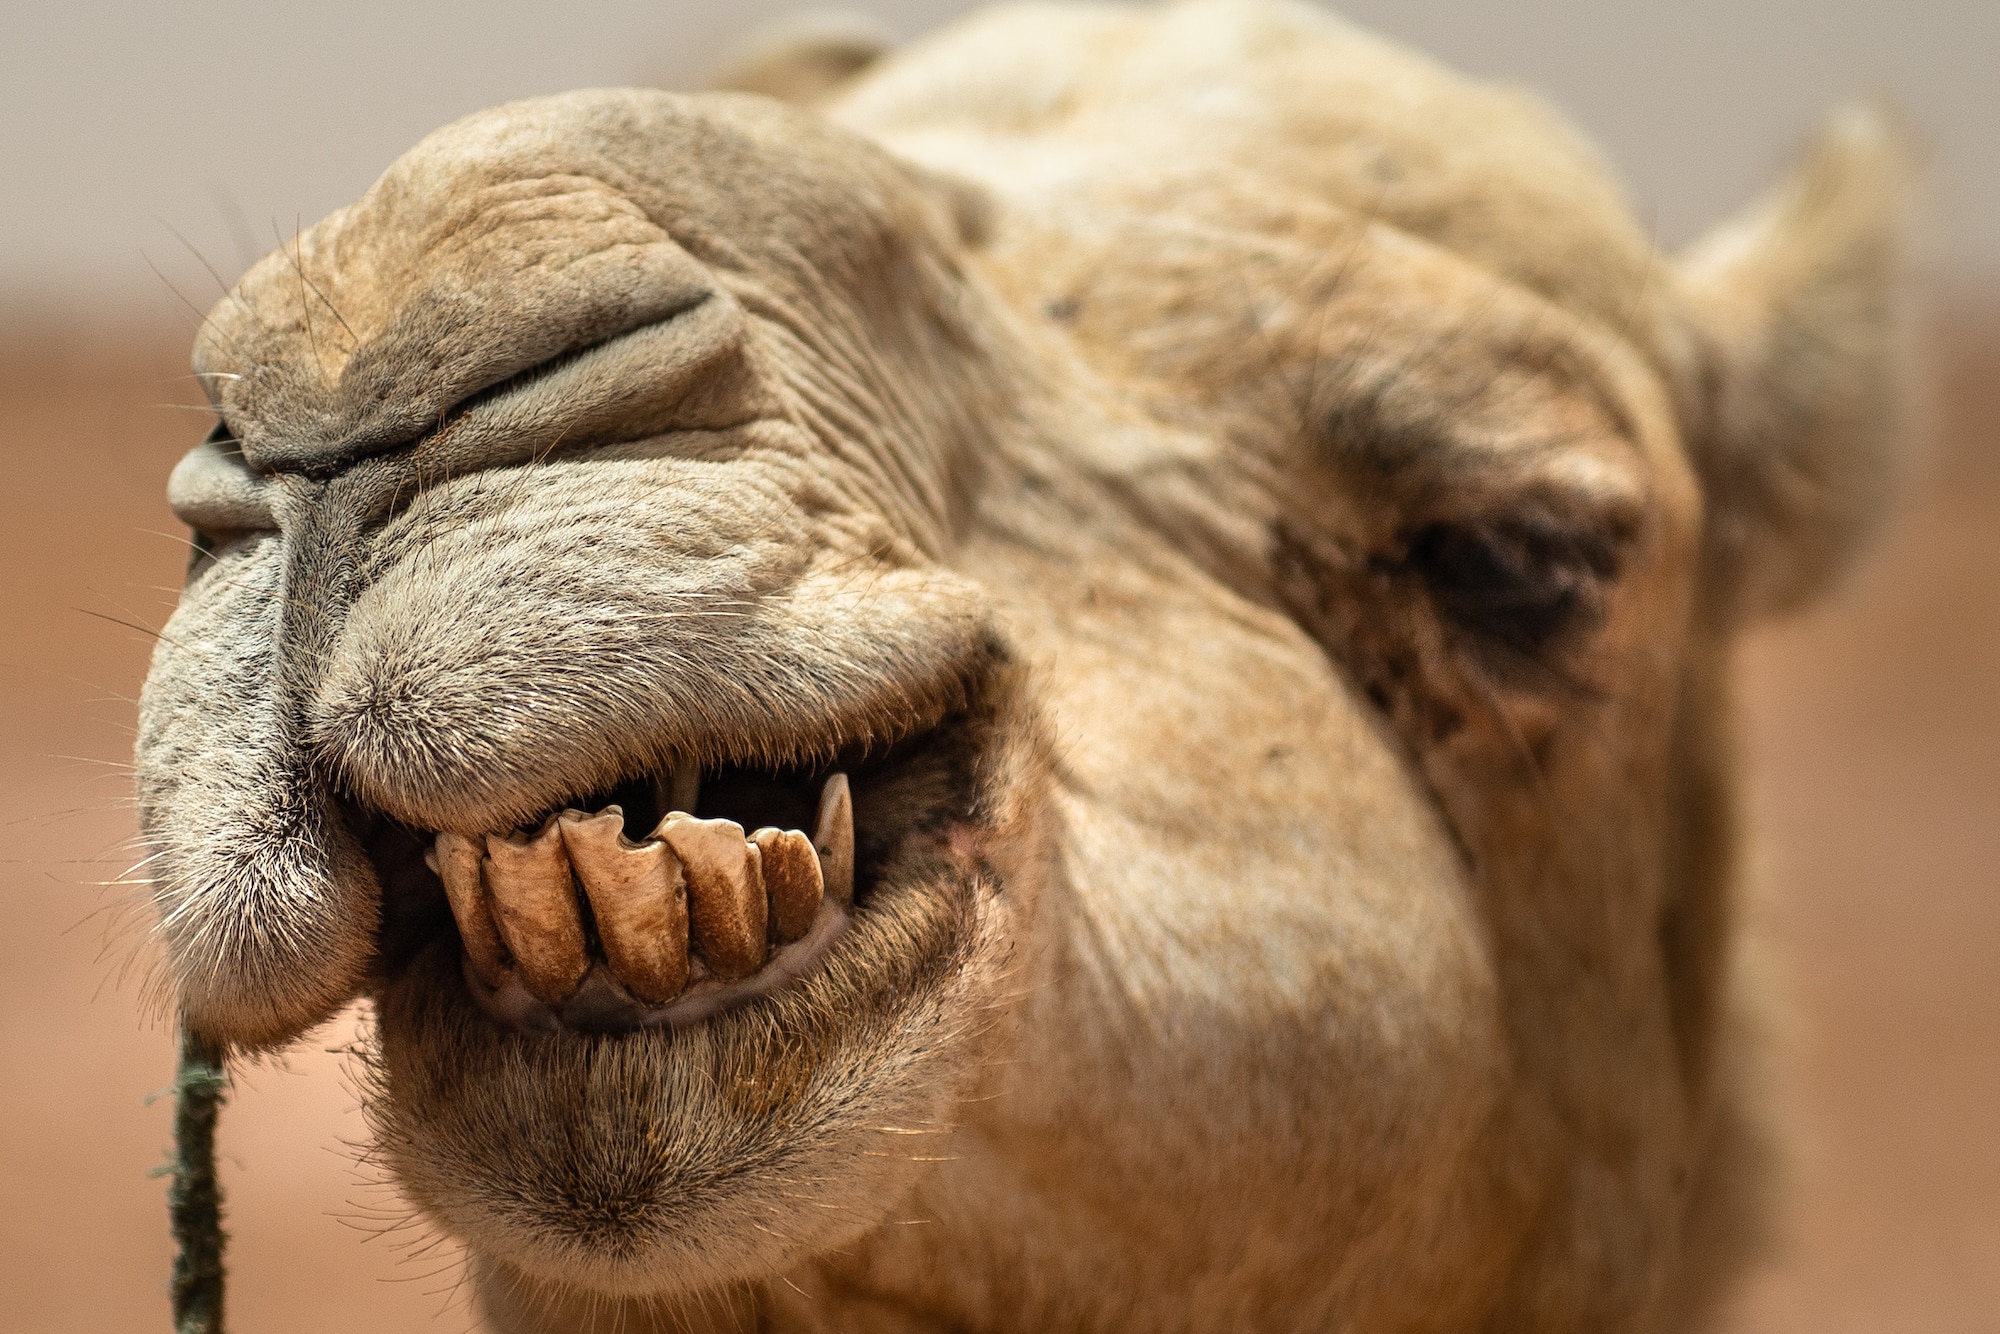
(792, 882)
(636, 894)
(679, 788)
(456, 860)
(833, 839)
(725, 891)
(534, 905)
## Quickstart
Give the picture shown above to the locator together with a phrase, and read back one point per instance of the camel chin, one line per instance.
(1083, 685)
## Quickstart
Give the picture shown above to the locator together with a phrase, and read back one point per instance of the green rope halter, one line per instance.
(194, 1198)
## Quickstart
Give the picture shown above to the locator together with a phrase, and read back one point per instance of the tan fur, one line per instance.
(1300, 518)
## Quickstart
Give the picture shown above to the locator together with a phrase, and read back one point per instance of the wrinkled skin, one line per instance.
(1266, 526)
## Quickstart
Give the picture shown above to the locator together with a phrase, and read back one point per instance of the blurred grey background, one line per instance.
(230, 123)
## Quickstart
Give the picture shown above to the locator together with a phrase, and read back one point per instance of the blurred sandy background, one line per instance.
(1872, 726)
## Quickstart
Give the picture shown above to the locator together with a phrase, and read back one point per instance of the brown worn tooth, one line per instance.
(833, 839)
(534, 905)
(636, 894)
(456, 860)
(792, 881)
(725, 891)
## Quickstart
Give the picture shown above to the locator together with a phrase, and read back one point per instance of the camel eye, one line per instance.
(1522, 585)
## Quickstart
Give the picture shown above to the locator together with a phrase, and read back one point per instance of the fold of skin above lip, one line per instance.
(521, 652)
(522, 638)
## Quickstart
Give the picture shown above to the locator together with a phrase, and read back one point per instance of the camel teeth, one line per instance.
(793, 884)
(725, 891)
(638, 897)
(680, 788)
(833, 839)
(534, 906)
(455, 858)
(693, 905)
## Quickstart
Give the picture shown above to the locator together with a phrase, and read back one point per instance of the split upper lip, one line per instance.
(692, 917)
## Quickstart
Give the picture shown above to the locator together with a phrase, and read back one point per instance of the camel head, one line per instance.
(1084, 688)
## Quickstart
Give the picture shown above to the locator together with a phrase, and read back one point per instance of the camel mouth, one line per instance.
(675, 895)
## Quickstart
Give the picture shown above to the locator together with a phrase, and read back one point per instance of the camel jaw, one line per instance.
(625, 1143)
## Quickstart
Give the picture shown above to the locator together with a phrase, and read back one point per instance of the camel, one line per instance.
(1075, 676)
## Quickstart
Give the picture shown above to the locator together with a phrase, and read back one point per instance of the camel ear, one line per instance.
(804, 59)
(1800, 395)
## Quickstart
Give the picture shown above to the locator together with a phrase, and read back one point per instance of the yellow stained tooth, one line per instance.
(725, 891)
(638, 897)
(456, 860)
(792, 881)
(833, 839)
(534, 906)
